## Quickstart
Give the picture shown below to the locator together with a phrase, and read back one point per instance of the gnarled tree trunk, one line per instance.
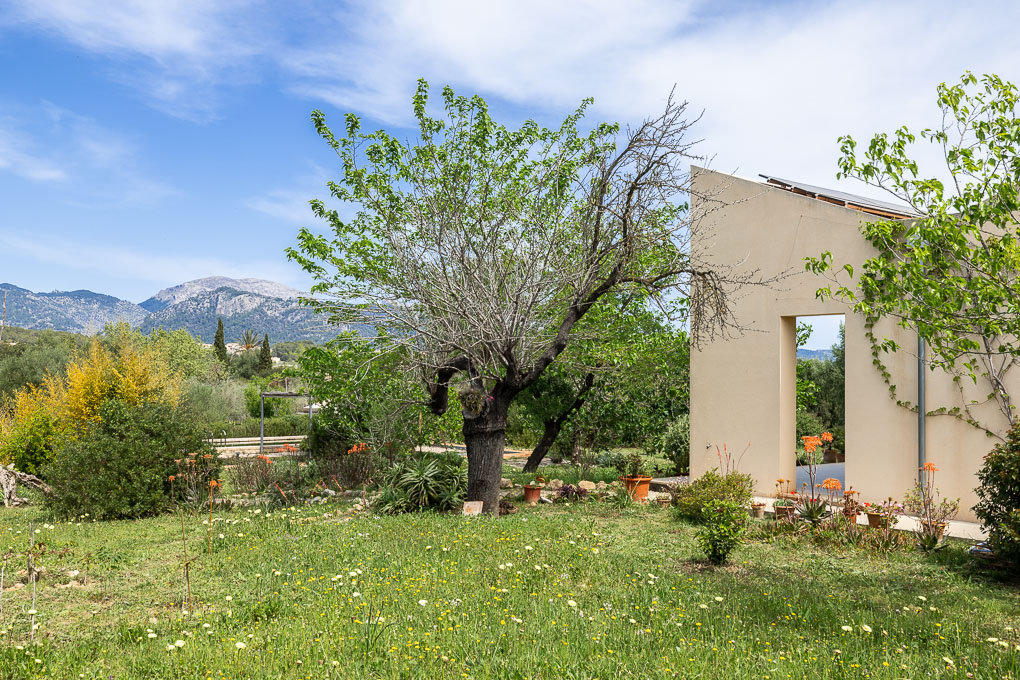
(485, 437)
(9, 478)
(553, 426)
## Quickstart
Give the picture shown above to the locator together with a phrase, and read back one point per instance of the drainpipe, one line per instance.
(262, 423)
(921, 409)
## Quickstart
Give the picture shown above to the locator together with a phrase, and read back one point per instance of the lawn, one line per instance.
(580, 591)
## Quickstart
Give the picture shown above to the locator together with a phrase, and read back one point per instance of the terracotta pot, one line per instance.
(939, 528)
(841, 457)
(637, 487)
(829, 456)
(877, 520)
(757, 510)
(532, 494)
(784, 511)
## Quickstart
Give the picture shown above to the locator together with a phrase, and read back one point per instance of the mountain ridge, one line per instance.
(265, 306)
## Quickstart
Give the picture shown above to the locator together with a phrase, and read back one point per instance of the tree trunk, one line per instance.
(553, 426)
(485, 437)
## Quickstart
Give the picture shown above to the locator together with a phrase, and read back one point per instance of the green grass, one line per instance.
(551, 592)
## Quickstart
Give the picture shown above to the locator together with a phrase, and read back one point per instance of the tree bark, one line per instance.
(9, 478)
(553, 426)
(485, 438)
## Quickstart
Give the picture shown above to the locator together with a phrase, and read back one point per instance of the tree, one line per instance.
(963, 239)
(265, 357)
(249, 340)
(219, 343)
(479, 249)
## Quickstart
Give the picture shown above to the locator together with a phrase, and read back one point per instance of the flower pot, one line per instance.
(784, 511)
(758, 510)
(876, 520)
(841, 457)
(532, 494)
(936, 528)
(829, 456)
(637, 487)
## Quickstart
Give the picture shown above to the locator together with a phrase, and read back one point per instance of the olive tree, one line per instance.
(477, 249)
(950, 273)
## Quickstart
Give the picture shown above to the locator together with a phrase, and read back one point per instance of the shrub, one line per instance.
(998, 506)
(424, 482)
(277, 426)
(120, 467)
(571, 492)
(691, 500)
(725, 522)
(32, 444)
(808, 424)
(675, 444)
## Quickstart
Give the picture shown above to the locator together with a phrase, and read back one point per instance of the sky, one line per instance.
(147, 143)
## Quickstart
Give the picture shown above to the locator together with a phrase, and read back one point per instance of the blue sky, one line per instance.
(147, 143)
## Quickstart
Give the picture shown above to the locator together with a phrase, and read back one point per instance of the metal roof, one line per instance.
(852, 201)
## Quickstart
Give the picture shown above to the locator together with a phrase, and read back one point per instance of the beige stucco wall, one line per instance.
(744, 389)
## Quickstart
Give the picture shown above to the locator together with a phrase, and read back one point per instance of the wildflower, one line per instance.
(571, 603)
(178, 643)
(423, 602)
(848, 629)
(922, 598)
(152, 635)
(866, 628)
(228, 598)
(718, 599)
(32, 612)
(240, 645)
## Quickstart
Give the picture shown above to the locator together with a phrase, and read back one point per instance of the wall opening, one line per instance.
(818, 383)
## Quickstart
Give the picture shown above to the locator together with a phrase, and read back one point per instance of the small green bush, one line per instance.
(32, 444)
(424, 482)
(725, 522)
(808, 424)
(675, 444)
(120, 468)
(278, 426)
(998, 506)
(690, 501)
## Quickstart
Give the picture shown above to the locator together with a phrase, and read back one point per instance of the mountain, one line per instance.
(265, 306)
(282, 318)
(820, 354)
(190, 289)
(78, 311)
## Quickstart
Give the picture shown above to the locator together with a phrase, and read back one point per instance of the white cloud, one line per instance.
(19, 156)
(188, 48)
(163, 268)
(779, 82)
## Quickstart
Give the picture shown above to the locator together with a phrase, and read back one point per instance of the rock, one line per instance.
(555, 485)
(316, 500)
(328, 492)
(586, 485)
(601, 486)
(505, 483)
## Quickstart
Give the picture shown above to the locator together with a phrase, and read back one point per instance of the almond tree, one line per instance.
(478, 249)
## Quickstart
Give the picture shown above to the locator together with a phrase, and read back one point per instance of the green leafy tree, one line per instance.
(479, 248)
(950, 273)
(220, 343)
(249, 340)
(265, 357)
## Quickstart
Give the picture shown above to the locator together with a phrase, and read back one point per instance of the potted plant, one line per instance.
(533, 490)
(634, 475)
(784, 508)
(883, 515)
(757, 509)
(933, 513)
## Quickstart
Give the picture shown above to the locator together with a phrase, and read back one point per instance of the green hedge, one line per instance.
(281, 426)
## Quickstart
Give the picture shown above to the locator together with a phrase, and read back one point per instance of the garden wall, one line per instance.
(743, 389)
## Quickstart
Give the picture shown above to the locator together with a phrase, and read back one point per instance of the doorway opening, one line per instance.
(820, 400)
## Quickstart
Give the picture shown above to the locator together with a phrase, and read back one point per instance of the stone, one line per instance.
(587, 485)
(473, 507)
(555, 485)
(505, 483)
(601, 486)
(328, 492)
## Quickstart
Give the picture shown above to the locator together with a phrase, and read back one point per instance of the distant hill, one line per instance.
(78, 311)
(170, 296)
(283, 319)
(265, 306)
(821, 354)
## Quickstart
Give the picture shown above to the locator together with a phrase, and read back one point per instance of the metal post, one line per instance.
(262, 422)
(921, 411)
(309, 414)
